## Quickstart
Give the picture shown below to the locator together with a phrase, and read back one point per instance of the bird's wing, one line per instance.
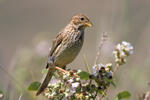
(56, 43)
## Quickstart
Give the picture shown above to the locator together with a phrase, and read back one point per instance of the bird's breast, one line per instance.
(69, 49)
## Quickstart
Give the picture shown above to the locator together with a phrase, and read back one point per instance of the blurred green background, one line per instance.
(27, 28)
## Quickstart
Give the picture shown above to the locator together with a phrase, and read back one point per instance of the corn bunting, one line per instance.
(66, 46)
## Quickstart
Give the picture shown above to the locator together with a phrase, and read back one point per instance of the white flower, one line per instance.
(65, 98)
(125, 49)
(101, 65)
(72, 90)
(77, 79)
(96, 68)
(119, 47)
(122, 50)
(75, 85)
(78, 71)
(128, 47)
(70, 80)
(65, 76)
(108, 67)
(55, 81)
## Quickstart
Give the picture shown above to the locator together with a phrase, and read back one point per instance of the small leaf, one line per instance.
(84, 75)
(34, 86)
(123, 95)
(44, 71)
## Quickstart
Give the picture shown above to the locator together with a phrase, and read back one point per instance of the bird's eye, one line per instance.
(82, 18)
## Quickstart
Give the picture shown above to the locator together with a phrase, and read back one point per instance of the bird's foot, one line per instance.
(65, 71)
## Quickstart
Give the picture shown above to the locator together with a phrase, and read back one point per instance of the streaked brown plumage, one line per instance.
(66, 46)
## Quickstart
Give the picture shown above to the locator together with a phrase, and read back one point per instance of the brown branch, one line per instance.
(62, 70)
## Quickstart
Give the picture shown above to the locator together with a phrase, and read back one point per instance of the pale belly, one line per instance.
(68, 54)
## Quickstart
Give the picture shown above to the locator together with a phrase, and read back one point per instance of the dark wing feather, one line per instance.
(56, 43)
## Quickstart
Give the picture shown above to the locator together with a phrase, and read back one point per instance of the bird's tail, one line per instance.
(48, 77)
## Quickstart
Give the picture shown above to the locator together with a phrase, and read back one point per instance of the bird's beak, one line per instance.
(88, 24)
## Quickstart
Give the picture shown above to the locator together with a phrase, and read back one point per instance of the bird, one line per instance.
(65, 47)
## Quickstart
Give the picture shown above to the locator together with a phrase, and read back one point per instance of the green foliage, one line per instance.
(123, 95)
(84, 75)
(34, 86)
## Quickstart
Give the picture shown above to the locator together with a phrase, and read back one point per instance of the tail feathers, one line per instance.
(48, 77)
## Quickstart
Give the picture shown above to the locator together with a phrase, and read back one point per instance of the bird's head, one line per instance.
(80, 21)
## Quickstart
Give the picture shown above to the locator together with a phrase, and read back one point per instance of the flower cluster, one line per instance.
(121, 51)
(65, 86)
(80, 85)
(102, 74)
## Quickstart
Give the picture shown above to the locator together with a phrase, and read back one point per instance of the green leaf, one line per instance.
(34, 86)
(44, 71)
(123, 95)
(84, 75)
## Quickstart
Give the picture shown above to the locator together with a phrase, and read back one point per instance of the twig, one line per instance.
(103, 39)
(62, 70)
